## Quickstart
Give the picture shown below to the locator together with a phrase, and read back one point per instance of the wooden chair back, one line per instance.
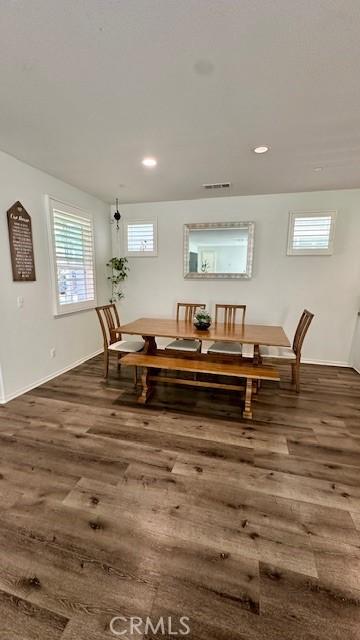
(301, 331)
(188, 310)
(109, 320)
(229, 313)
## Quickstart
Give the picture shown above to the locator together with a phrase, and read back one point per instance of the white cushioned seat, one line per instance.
(282, 353)
(127, 346)
(227, 348)
(183, 345)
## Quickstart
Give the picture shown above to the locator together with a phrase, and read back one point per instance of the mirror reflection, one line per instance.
(218, 250)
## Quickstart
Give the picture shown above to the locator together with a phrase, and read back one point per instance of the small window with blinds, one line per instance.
(73, 258)
(141, 238)
(311, 233)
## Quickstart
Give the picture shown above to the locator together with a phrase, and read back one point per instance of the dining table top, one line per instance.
(269, 335)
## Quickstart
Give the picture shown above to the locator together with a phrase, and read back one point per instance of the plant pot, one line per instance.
(202, 326)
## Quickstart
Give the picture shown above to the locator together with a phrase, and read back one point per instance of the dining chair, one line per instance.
(229, 313)
(113, 343)
(291, 355)
(186, 311)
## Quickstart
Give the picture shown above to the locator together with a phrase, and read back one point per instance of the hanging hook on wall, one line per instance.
(117, 215)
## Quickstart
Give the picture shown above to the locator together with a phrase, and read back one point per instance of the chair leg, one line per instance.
(198, 351)
(296, 376)
(106, 364)
(119, 362)
(293, 373)
(136, 376)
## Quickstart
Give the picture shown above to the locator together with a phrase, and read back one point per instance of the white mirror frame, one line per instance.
(219, 225)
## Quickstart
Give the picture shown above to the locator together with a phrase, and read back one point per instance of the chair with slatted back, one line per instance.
(186, 310)
(290, 355)
(230, 314)
(113, 343)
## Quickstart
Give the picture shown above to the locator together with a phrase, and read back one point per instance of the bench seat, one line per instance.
(244, 370)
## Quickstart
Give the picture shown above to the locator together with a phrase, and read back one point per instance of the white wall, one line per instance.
(281, 286)
(355, 352)
(28, 334)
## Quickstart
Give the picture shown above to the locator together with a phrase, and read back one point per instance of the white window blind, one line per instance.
(72, 252)
(311, 233)
(141, 238)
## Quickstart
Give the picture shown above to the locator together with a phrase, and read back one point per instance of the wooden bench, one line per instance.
(247, 371)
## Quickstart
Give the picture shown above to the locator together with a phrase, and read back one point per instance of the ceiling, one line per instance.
(88, 88)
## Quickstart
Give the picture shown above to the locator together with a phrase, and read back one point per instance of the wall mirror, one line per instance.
(218, 250)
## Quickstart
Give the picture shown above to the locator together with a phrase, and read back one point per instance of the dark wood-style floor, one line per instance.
(181, 508)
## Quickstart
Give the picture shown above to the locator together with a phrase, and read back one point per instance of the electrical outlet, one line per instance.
(52, 352)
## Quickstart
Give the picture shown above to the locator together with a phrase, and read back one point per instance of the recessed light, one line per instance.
(149, 162)
(262, 149)
(318, 169)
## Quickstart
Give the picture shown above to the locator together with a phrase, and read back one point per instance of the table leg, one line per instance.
(150, 345)
(257, 358)
(150, 348)
(247, 413)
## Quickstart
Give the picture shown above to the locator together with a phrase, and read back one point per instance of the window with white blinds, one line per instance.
(311, 233)
(141, 238)
(73, 258)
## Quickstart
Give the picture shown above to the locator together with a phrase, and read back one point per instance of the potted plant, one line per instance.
(119, 271)
(202, 320)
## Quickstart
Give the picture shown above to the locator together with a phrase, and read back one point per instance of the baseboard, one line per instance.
(6, 398)
(355, 369)
(327, 363)
(2, 389)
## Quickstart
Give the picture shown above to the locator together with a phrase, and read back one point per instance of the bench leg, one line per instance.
(247, 413)
(146, 387)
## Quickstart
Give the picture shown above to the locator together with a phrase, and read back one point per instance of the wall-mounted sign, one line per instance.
(21, 243)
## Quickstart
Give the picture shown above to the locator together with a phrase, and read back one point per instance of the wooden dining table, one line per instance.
(253, 334)
(152, 361)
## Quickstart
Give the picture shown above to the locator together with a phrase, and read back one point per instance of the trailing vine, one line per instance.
(119, 272)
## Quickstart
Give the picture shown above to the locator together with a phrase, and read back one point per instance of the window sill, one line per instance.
(68, 312)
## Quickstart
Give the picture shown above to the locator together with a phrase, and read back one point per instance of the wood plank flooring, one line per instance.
(251, 529)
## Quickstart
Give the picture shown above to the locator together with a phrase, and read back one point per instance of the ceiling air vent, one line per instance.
(216, 185)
